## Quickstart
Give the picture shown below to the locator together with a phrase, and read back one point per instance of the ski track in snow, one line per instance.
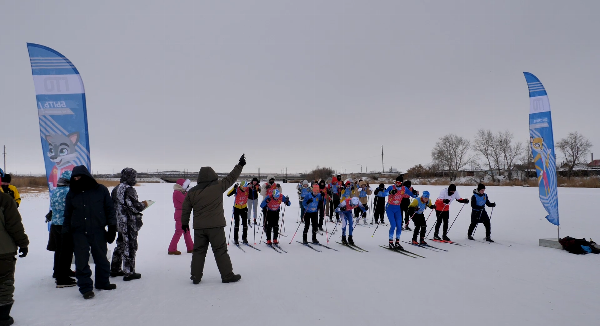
(482, 284)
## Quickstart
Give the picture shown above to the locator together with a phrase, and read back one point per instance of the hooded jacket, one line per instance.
(12, 232)
(57, 200)
(88, 206)
(206, 199)
(128, 208)
(179, 193)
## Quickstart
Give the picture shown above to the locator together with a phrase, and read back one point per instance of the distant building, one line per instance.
(594, 163)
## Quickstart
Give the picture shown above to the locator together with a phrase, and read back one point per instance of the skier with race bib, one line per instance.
(271, 204)
(395, 193)
(478, 214)
(345, 208)
(335, 188)
(416, 209)
(240, 210)
(442, 210)
(311, 205)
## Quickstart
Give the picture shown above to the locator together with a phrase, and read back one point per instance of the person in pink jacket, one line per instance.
(179, 193)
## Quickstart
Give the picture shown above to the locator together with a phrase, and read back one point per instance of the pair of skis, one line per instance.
(247, 245)
(310, 245)
(449, 242)
(488, 242)
(426, 246)
(353, 247)
(404, 252)
(277, 248)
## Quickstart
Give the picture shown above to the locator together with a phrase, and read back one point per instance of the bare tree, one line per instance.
(509, 151)
(451, 152)
(484, 145)
(575, 149)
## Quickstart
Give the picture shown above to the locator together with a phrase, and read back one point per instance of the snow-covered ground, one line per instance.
(479, 284)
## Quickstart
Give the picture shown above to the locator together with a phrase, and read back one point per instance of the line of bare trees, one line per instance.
(497, 155)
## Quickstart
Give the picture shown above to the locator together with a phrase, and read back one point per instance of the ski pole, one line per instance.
(479, 219)
(332, 232)
(435, 221)
(230, 225)
(283, 219)
(463, 206)
(297, 229)
(492, 213)
(263, 228)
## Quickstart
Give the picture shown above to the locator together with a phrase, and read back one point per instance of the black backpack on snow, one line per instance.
(578, 246)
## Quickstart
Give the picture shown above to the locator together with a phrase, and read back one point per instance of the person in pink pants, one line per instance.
(179, 193)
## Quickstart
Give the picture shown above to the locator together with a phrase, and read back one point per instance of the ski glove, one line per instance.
(432, 206)
(463, 201)
(111, 234)
(49, 217)
(446, 201)
(23, 251)
(268, 200)
(492, 204)
(342, 208)
(242, 160)
(309, 201)
(393, 192)
(185, 228)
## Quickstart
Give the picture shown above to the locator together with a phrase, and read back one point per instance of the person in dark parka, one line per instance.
(12, 237)
(206, 199)
(88, 211)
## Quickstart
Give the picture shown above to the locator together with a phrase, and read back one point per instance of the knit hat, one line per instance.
(480, 186)
(425, 194)
(316, 188)
(452, 187)
(400, 178)
(305, 182)
(255, 179)
(407, 184)
(6, 178)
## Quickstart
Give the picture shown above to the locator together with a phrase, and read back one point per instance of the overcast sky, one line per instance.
(296, 84)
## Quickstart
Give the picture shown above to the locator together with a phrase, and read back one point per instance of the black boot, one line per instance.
(488, 239)
(314, 239)
(391, 244)
(65, 282)
(344, 239)
(5, 318)
(233, 279)
(470, 237)
(305, 238)
(134, 276)
(397, 245)
(436, 237)
(445, 237)
(350, 241)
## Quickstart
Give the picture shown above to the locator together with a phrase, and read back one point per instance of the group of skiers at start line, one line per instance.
(345, 198)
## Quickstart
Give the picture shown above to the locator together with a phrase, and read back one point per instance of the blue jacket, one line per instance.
(314, 205)
(305, 192)
(57, 204)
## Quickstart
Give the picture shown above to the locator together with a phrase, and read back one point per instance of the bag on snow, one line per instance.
(578, 246)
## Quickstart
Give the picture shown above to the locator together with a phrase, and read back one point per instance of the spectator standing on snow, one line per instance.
(9, 189)
(59, 243)
(129, 222)
(379, 203)
(88, 210)
(206, 200)
(12, 237)
(442, 210)
(179, 192)
(478, 214)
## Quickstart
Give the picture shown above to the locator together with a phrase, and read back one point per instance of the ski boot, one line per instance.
(321, 229)
(236, 242)
(304, 238)
(488, 239)
(436, 237)
(269, 242)
(445, 238)
(350, 241)
(365, 221)
(315, 241)
(470, 237)
(344, 240)
(391, 244)
(244, 241)
(423, 243)
(255, 222)
(275, 242)
(397, 245)
(414, 241)
(407, 228)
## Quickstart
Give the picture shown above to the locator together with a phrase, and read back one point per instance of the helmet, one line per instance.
(425, 194)
(244, 184)
(354, 201)
(276, 193)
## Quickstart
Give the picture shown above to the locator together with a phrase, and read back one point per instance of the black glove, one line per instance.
(463, 201)
(23, 251)
(393, 192)
(49, 217)
(446, 201)
(185, 228)
(268, 200)
(343, 208)
(366, 207)
(309, 201)
(492, 204)
(111, 234)
(277, 185)
(242, 160)
(416, 192)
(235, 185)
(432, 206)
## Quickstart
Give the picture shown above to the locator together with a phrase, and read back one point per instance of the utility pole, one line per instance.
(285, 173)
(259, 175)
(5, 158)
(382, 168)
